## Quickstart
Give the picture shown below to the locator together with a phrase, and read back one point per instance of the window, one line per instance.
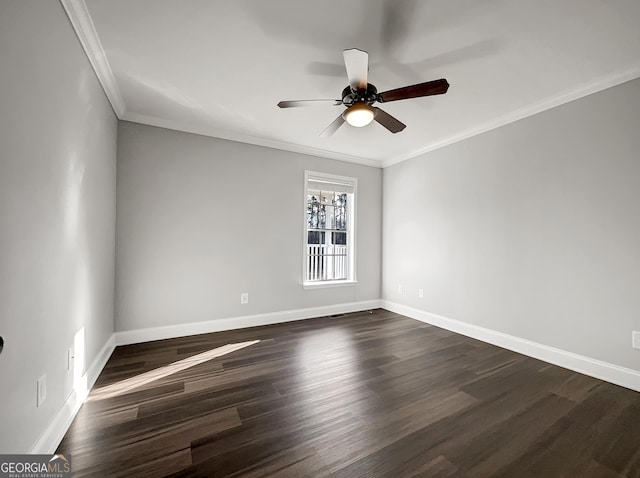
(329, 230)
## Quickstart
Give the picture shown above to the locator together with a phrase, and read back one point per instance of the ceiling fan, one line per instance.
(360, 96)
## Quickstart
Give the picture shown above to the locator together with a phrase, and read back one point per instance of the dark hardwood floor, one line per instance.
(359, 395)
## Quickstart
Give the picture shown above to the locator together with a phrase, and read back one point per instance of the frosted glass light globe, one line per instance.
(359, 115)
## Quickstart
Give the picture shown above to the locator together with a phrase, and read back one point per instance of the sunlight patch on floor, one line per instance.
(129, 384)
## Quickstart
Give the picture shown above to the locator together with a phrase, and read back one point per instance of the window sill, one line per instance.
(328, 283)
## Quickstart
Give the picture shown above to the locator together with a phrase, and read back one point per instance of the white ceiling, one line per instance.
(219, 67)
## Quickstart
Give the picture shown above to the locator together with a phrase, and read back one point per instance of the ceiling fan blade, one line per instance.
(430, 88)
(357, 64)
(333, 127)
(388, 121)
(297, 103)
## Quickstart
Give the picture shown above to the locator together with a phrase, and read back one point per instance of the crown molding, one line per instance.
(594, 86)
(248, 139)
(82, 23)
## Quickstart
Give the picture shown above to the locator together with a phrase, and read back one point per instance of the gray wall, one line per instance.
(532, 229)
(57, 213)
(200, 220)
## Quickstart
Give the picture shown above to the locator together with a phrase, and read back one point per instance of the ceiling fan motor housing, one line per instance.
(351, 96)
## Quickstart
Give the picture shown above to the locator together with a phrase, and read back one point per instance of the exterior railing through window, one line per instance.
(326, 262)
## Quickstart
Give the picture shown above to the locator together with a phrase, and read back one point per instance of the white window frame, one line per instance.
(351, 230)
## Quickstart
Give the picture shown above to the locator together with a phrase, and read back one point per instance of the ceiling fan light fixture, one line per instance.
(359, 115)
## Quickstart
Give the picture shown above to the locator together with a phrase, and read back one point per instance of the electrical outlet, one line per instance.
(420, 293)
(42, 390)
(400, 289)
(244, 298)
(69, 360)
(635, 340)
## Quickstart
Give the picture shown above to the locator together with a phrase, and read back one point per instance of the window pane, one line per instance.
(322, 217)
(339, 238)
(315, 237)
(339, 199)
(330, 220)
(316, 215)
(340, 213)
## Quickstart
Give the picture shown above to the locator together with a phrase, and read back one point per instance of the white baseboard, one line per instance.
(616, 374)
(127, 337)
(96, 367)
(53, 435)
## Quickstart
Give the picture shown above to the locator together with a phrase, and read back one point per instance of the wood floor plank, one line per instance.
(439, 467)
(140, 448)
(510, 439)
(619, 451)
(353, 395)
